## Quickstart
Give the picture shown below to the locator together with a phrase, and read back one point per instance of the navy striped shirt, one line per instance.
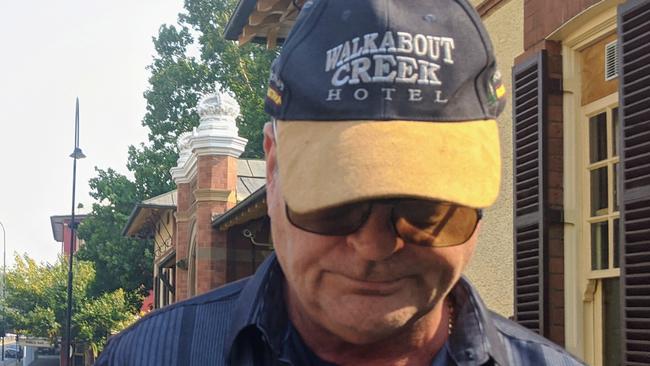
(245, 323)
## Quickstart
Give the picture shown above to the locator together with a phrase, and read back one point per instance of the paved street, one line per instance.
(46, 361)
(42, 361)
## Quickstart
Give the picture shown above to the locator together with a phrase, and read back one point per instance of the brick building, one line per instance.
(62, 234)
(581, 116)
(213, 228)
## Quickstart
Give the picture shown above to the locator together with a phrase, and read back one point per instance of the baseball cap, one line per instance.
(386, 98)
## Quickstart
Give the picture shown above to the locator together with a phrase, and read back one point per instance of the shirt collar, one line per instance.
(261, 307)
(474, 339)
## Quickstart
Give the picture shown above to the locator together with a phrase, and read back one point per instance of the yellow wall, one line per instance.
(594, 86)
(491, 269)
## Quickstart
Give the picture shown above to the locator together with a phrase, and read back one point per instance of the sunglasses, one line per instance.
(421, 222)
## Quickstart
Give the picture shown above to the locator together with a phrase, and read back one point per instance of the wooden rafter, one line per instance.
(270, 19)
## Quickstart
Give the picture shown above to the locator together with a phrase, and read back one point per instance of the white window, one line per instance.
(600, 225)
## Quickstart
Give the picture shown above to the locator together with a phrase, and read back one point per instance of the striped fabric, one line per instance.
(245, 323)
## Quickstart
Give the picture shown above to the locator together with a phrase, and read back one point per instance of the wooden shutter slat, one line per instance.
(529, 142)
(636, 31)
(525, 182)
(637, 252)
(634, 179)
(527, 108)
(638, 181)
(526, 177)
(637, 56)
(639, 38)
(637, 98)
(636, 18)
(527, 82)
(526, 129)
(530, 228)
(638, 142)
(527, 120)
(639, 117)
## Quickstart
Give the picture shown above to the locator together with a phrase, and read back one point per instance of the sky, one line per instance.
(50, 53)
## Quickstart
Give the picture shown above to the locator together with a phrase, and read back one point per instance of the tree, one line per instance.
(36, 303)
(176, 84)
(242, 70)
(120, 262)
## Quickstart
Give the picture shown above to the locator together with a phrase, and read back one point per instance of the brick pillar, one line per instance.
(214, 194)
(182, 238)
(206, 177)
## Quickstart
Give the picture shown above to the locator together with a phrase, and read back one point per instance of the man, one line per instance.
(382, 152)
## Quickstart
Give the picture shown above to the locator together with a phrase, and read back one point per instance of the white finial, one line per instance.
(218, 110)
(184, 150)
(217, 133)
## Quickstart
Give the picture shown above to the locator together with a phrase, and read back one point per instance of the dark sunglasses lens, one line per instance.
(434, 224)
(340, 220)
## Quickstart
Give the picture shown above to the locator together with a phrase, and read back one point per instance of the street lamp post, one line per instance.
(76, 154)
(4, 273)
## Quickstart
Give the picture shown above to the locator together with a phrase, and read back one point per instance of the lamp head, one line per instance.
(77, 153)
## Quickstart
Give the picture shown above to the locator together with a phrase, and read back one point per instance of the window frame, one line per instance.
(593, 297)
(607, 104)
(590, 26)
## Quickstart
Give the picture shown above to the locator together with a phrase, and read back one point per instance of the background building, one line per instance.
(581, 116)
(213, 228)
(62, 233)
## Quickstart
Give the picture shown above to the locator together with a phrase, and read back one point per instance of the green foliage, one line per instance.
(102, 316)
(120, 262)
(242, 70)
(177, 82)
(36, 302)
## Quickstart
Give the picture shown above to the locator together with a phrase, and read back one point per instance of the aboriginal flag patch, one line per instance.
(496, 94)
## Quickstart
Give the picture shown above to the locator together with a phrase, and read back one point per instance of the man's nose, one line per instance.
(376, 240)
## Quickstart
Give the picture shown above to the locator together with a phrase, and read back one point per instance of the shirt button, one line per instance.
(470, 354)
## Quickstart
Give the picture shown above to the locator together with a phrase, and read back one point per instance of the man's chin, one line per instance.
(374, 328)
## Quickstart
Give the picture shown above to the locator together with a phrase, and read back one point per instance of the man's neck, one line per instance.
(415, 345)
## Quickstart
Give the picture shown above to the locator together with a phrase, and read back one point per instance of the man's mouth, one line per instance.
(375, 287)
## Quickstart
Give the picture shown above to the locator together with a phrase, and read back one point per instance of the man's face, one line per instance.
(362, 287)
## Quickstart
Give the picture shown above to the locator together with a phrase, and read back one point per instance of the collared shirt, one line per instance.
(245, 323)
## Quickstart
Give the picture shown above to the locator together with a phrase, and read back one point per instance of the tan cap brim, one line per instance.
(324, 164)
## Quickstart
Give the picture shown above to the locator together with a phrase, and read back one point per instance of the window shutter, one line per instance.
(634, 180)
(530, 226)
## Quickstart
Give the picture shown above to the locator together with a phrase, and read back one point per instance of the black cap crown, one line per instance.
(420, 60)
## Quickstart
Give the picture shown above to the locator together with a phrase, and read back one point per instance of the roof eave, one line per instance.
(136, 213)
(239, 19)
(240, 207)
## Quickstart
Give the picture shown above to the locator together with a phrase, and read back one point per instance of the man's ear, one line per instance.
(270, 152)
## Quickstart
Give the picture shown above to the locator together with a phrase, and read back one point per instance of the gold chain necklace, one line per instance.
(450, 321)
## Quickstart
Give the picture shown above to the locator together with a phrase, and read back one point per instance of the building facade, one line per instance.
(213, 228)
(581, 153)
(62, 233)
